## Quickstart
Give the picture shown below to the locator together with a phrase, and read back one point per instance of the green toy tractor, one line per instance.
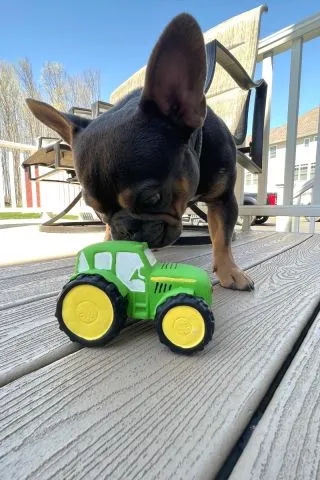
(119, 279)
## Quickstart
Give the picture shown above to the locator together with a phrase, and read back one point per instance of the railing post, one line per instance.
(239, 187)
(2, 202)
(239, 193)
(11, 180)
(279, 189)
(267, 75)
(316, 180)
(293, 110)
(23, 182)
(280, 223)
(33, 189)
(315, 199)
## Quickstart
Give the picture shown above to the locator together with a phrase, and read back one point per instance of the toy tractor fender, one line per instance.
(171, 294)
(110, 277)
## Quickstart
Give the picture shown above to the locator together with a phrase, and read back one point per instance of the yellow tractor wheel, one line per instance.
(185, 323)
(90, 310)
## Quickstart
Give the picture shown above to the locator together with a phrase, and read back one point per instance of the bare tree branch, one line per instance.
(17, 124)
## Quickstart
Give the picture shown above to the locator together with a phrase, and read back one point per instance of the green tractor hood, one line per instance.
(181, 275)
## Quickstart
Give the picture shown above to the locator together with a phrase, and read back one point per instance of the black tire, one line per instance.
(119, 304)
(260, 220)
(185, 300)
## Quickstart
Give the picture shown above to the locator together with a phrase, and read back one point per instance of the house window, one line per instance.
(251, 179)
(315, 138)
(312, 170)
(306, 142)
(273, 151)
(303, 172)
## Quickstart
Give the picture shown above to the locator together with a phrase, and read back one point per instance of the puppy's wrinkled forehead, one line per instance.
(129, 150)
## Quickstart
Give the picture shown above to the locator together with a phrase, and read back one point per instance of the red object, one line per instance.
(28, 189)
(272, 199)
(29, 199)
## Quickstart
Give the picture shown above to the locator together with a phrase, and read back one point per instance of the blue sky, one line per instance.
(116, 37)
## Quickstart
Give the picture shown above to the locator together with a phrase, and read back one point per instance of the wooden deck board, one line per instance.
(23, 284)
(183, 251)
(285, 444)
(19, 271)
(29, 330)
(135, 410)
(30, 338)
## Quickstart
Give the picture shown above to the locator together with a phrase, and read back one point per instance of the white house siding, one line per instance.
(305, 158)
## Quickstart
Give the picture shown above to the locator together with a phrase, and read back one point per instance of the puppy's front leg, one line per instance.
(222, 217)
(107, 233)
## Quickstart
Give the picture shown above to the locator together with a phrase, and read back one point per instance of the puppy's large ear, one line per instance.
(65, 124)
(176, 73)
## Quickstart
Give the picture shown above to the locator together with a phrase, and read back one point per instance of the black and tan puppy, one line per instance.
(141, 162)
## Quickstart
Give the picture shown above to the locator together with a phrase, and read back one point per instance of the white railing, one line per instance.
(8, 180)
(33, 196)
(291, 38)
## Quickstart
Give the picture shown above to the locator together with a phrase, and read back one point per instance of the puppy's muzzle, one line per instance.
(158, 232)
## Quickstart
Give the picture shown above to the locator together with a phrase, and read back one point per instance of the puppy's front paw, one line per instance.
(234, 278)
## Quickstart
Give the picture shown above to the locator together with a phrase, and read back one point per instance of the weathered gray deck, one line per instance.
(136, 410)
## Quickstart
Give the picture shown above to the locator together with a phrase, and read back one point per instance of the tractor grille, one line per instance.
(169, 266)
(162, 287)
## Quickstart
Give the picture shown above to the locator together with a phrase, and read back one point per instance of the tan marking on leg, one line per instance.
(217, 189)
(107, 233)
(229, 274)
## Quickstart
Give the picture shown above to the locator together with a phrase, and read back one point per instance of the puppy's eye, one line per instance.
(153, 200)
